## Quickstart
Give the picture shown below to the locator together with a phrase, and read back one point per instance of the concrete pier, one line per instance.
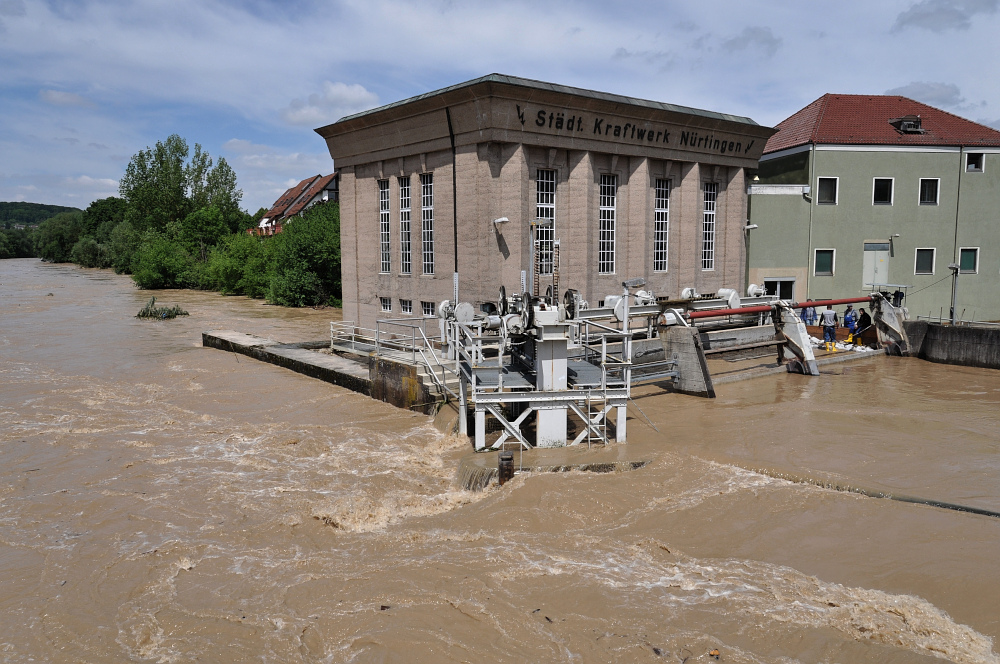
(299, 357)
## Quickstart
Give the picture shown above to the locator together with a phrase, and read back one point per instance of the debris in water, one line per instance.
(549, 619)
(385, 607)
(714, 653)
(658, 651)
(163, 313)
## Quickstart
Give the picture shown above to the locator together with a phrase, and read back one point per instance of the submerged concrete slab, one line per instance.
(297, 357)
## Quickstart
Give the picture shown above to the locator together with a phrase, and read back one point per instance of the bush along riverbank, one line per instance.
(177, 224)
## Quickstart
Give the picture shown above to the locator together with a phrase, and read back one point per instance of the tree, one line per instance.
(154, 186)
(101, 216)
(307, 259)
(56, 236)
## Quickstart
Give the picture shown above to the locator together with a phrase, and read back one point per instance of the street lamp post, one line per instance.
(954, 267)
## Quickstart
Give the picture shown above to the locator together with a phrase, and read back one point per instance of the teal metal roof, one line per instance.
(565, 89)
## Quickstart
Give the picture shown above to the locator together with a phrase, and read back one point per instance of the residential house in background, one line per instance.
(297, 200)
(856, 190)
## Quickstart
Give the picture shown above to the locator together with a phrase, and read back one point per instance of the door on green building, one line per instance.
(876, 263)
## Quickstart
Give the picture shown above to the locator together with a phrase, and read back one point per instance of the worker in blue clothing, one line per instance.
(851, 319)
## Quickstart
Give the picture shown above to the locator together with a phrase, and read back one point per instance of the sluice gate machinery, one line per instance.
(571, 366)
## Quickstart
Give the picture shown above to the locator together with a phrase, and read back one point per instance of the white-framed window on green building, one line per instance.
(383, 226)
(923, 262)
(606, 224)
(708, 226)
(545, 211)
(824, 262)
(974, 162)
(929, 188)
(882, 191)
(968, 260)
(661, 225)
(827, 190)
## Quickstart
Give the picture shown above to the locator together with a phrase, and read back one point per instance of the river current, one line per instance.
(165, 502)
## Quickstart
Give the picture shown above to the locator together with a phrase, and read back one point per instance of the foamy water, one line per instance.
(164, 502)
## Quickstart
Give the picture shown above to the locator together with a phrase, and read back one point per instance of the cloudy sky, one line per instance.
(84, 84)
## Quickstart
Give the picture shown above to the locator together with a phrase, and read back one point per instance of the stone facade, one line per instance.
(484, 144)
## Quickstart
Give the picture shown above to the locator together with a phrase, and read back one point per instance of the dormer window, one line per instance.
(908, 124)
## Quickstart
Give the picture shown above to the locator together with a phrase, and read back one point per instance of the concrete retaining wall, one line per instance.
(966, 346)
(400, 385)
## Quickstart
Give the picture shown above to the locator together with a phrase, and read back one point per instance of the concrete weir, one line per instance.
(395, 383)
(299, 357)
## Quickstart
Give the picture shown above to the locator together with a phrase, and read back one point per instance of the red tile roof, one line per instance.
(286, 199)
(316, 187)
(864, 120)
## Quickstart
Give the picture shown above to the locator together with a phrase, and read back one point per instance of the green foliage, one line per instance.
(101, 217)
(201, 230)
(56, 236)
(123, 244)
(17, 243)
(241, 263)
(307, 259)
(163, 313)
(28, 214)
(163, 263)
(89, 253)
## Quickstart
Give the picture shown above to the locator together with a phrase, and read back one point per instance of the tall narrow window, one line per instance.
(427, 220)
(929, 191)
(405, 255)
(383, 225)
(968, 260)
(661, 225)
(606, 228)
(545, 210)
(827, 191)
(708, 226)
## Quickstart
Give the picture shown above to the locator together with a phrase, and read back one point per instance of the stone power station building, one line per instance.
(486, 178)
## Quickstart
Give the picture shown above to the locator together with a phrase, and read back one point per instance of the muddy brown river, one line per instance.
(164, 502)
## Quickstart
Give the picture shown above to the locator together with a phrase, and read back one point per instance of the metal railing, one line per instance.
(408, 335)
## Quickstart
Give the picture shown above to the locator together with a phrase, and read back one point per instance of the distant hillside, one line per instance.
(30, 214)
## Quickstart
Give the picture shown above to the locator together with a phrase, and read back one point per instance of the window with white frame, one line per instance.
(708, 226)
(974, 162)
(824, 262)
(968, 260)
(545, 209)
(383, 225)
(406, 306)
(606, 224)
(826, 193)
(661, 225)
(427, 308)
(923, 262)
(386, 303)
(405, 252)
(929, 190)
(882, 191)
(427, 221)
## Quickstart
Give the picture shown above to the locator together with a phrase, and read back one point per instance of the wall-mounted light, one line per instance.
(497, 222)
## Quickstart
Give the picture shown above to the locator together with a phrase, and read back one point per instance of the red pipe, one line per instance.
(767, 307)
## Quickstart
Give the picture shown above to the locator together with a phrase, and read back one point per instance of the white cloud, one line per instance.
(334, 102)
(58, 98)
(89, 182)
(756, 37)
(942, 15)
